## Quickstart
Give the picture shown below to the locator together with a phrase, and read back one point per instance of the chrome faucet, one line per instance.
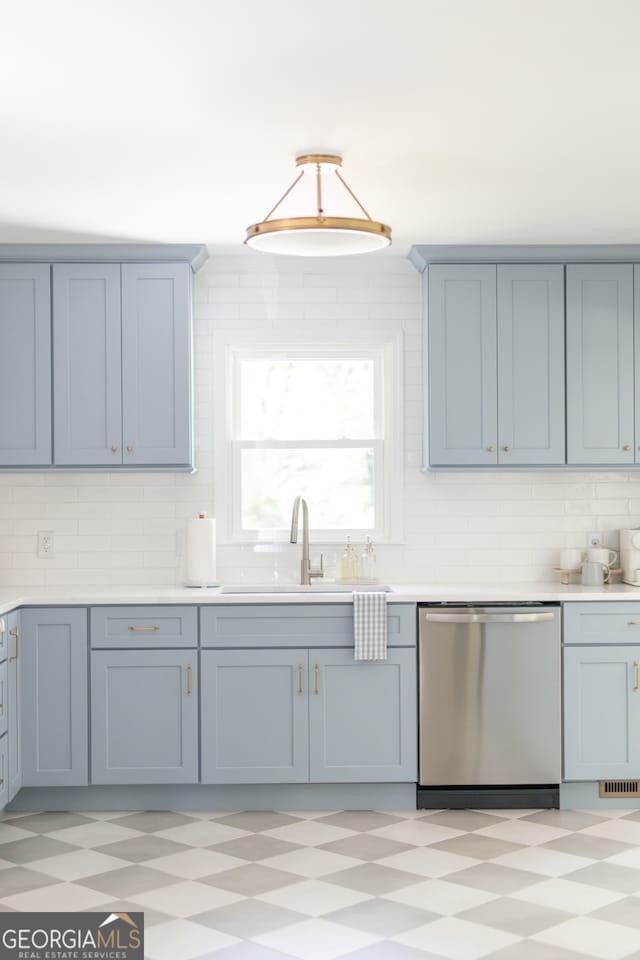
(307, 572)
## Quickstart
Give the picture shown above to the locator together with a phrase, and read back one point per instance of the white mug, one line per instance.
(570, 559)
(595, 573)
(602, 555)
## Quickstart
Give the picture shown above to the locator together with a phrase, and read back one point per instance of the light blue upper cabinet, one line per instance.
(636, 288)
(87, 364)
(462, 365)
(531, 394)
(156, 363)
(25, 348)
(600, 364)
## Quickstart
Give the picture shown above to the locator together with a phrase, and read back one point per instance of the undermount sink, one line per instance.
(304, 588)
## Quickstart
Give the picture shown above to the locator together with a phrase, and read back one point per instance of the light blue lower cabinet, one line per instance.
(254, 716)
(14, 717)
(144, 716)
(4, 771)
(4, 697)
(299, 716)
(362, 717)
(55, 722)
(601, 713)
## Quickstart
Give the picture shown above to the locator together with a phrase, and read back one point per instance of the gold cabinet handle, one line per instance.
(144, 629)
(189, 689)
(633, 623)
(316, 679)
(114, 448)
(506, 448)
(15, 633)
(636, 670)
(300, 678)
(627, 447)
(129, 448)
(491, 449)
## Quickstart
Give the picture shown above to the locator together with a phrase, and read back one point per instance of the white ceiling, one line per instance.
(459, 120)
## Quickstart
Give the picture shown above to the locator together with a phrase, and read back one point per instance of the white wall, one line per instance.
(121, 529)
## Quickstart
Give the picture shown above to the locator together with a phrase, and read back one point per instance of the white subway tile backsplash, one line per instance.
(120, 529)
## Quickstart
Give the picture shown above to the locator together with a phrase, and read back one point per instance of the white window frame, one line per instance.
(383, 346)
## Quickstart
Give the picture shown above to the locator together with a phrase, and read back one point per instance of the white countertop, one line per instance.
(553, 592)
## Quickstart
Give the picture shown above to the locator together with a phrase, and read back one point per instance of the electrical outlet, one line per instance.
(45, 544)
(595, 539)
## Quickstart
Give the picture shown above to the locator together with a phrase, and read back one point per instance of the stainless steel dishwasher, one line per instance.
(490, 706)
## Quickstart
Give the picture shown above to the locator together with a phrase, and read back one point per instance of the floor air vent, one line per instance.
(619, 788)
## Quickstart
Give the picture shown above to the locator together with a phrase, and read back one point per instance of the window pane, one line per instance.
(338, 485)
(306, 399)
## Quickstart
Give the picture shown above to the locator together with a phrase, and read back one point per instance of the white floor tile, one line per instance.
(592, 938)
(195, 863)
(309, 833)
(94, 834)
(182, 940)
(311, 862)
(626, 831)
(578, 898)
(417, 832)
(185, 899)
(439, 896)
(202, 833)
(457, 939)
(316, 940)
(57, 897)
(628, 858)
(428, 862)
(78, 864)
(550, 863)
(523, 831)
(314, 897)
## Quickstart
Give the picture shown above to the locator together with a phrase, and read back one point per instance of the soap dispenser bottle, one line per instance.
(368, 562)
(349, 562)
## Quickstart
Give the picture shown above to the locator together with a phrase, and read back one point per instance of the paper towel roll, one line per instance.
(201, 552)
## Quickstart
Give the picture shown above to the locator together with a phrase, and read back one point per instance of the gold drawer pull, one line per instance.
(633, 623)
(15, 633)
(300, 678)
(636, 668)
(316, 679)
(144, 629)
(189, 690)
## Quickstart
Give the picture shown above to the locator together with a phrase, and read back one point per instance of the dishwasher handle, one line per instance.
(434, 617)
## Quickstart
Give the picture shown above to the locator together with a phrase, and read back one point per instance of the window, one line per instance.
(320, 420)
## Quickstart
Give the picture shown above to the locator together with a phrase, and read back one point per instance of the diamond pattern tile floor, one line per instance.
(332, 885)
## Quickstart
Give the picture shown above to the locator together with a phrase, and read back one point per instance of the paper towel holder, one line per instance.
(200, 554)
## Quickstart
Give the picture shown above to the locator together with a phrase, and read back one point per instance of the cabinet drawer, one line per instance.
(297, 625)
(4, 697)
(599, 623)
(144, 627)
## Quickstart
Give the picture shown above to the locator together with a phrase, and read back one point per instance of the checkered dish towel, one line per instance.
(369, 625)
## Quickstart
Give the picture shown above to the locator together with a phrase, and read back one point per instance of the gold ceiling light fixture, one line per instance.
(318, 235)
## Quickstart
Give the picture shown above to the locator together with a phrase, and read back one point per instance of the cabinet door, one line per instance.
(601, 713)
(25, 349)
(600, 402)
(362, 717)
(4, 697)
(55, 722)
(86, 364)
(144, 716)
(14, 719)
(531, 404)
(462, 365)
(156, 363)
(4, 772)
(254, 725)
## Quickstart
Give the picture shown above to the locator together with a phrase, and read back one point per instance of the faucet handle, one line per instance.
(317, 571)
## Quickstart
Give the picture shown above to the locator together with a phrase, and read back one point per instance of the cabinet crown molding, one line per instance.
(421, 255)
(193, 253)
